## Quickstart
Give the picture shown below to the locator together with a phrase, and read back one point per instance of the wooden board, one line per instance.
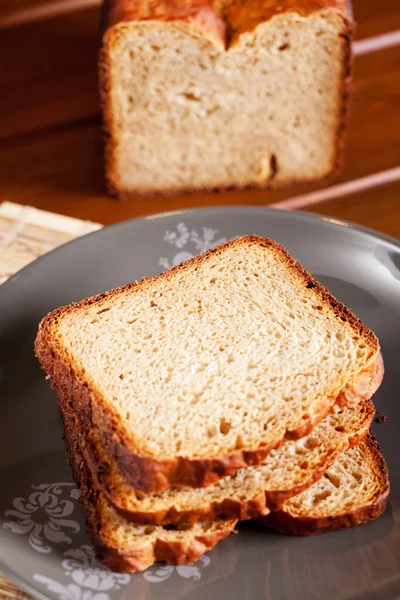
(26, 233)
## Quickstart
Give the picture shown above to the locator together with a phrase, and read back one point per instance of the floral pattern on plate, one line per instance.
(90, 580)
(159, 573)
(189, 242)
(44, 515)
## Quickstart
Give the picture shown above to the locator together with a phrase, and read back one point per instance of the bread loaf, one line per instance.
(204, 94)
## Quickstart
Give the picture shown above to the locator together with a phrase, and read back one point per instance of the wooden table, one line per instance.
(50, 147)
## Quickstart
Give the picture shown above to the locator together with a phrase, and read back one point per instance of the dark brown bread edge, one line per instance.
(234, 14)
(251, 508)
(178, 552)
(305, 525)
(154, 475)
(215, 28)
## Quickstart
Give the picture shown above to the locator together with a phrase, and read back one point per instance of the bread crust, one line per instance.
(234, 14)
(221, 22)
(176, 552)
(304, 525)
(150, 474)
(228, 508)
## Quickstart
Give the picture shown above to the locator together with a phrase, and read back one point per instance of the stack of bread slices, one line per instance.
(231, 387)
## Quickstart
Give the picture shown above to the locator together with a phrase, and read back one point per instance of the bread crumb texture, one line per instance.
(228, 351)
(219, 94)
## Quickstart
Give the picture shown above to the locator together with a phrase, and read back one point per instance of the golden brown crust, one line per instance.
(150, 474)
(221, 22)
(237, 15)
(99, 466)
(228, 508)
(177, 552)
(305, 525)
(199, 15)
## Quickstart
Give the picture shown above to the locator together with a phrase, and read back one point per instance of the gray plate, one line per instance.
(42, 542)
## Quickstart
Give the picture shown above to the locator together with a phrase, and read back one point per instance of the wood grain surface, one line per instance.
(18, 12)
(50, 142)
(377, 208)
(57, 81)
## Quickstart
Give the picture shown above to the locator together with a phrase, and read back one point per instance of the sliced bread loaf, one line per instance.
(251, 492)
(353, 490)
(206, 368)
(124, 547)
(209, 94)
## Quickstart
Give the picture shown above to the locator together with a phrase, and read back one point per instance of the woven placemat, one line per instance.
(25, 234)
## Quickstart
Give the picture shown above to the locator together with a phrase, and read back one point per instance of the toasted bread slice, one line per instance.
(353, 490)
(206, 368)
(251, 492)
(125, 547)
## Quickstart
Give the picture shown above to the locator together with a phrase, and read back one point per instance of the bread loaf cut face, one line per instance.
(251, 94)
